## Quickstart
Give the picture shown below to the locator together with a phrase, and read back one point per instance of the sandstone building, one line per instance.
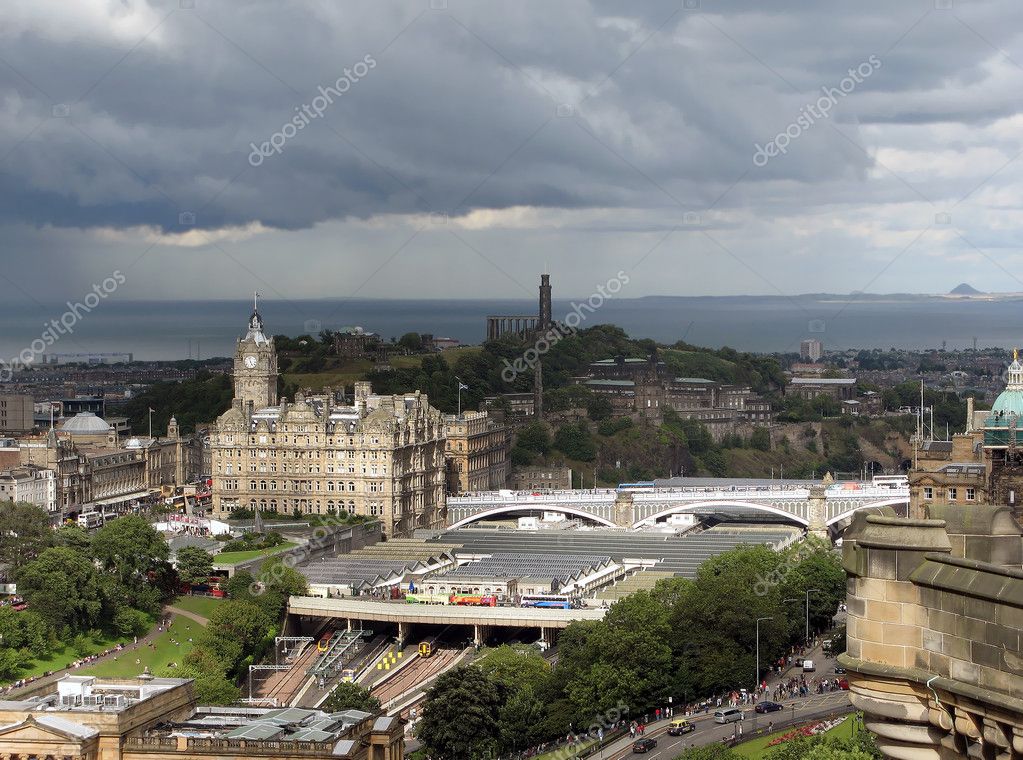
(983, 465)
(145, 718)
(476, 452)
(380, 456)
(934, 655)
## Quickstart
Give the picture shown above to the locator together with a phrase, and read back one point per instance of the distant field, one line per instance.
(233, 558)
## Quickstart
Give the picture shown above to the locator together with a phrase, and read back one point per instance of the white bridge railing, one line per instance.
(842, 491)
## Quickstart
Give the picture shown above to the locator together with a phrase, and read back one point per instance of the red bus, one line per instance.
(473, 601)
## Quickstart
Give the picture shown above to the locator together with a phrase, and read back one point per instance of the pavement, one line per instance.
(798, 710)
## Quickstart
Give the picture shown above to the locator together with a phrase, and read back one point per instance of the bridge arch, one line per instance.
(673, 510)
(892, 502)
(530, 508)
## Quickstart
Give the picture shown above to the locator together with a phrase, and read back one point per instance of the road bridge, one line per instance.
(355, 611)
(818, 505)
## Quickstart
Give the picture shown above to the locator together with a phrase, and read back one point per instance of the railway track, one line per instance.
(283, 685)
(415, 674)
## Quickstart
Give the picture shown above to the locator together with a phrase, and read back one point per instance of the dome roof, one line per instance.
(85, 423)
(133, 443)
(1010, 401)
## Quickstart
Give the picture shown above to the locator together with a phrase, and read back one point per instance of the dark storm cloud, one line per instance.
(139, 114)
(661, 93)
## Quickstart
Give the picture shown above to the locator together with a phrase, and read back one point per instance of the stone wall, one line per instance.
(934, 654)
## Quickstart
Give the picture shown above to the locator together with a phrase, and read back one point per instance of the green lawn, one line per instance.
(225, 559)
(200, 605)
(63, 657)
(157, 659)
(757, 748)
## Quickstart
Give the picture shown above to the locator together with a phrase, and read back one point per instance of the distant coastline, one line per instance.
(767, 324)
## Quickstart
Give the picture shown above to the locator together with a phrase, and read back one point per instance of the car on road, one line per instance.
(728, 715)
(644, 745)
(680, 726)
(839, 671)
(768, 707)
(808, 666)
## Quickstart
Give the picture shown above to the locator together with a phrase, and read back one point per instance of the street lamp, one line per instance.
(808, 591)
(759, 620)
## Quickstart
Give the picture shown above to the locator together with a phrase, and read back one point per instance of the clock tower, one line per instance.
(255, 365)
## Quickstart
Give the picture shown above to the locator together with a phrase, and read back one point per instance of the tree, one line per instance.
(351, 696)
(412, 342)
(63, 587)
(515, 668)
(599, 408)
(129, 547)
(535, 438)
(215, 689)
(130, 622)
(576, 442)
(235, 629)
(460, 716)
(73, 537)
(24, 532)
(710, 752)
(194, 565)
(761, 439)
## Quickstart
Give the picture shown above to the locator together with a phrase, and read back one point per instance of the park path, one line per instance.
(36, 684)
(185, 613)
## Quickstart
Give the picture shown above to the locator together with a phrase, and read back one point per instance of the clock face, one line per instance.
(250, 362)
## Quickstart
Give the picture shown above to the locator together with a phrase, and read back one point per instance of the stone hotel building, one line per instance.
(379, 456)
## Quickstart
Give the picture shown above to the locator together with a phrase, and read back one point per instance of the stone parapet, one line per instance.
(934, 654)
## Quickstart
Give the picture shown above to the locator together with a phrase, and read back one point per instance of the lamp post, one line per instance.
(808, 592)
(759, 620)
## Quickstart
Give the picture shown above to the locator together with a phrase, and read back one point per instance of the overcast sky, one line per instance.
(470, 145)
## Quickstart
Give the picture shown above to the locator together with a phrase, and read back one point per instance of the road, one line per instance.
(707, 731)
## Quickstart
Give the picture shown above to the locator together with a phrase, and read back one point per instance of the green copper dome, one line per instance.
(1010, 402)
(1007, 410)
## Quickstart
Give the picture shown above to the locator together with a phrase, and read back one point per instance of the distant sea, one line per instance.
(177, 329)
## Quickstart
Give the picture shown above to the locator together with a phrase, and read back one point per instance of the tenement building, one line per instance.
(476, 452)
(934, 656)
(380, 456)
(146, 718)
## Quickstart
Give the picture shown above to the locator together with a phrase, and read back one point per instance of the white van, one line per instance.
(728, 715)
(808, 666)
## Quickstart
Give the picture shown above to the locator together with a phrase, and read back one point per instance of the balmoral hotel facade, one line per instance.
(379, 456)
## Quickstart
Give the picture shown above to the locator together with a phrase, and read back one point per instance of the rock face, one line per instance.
(934, 652)
(965, 289)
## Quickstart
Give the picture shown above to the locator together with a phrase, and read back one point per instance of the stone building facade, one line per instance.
(382, 456)
(146, 718)
(476, 452)
(934, 656)
(983, 464)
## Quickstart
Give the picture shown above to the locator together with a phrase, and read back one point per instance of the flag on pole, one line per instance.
(461, 386)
